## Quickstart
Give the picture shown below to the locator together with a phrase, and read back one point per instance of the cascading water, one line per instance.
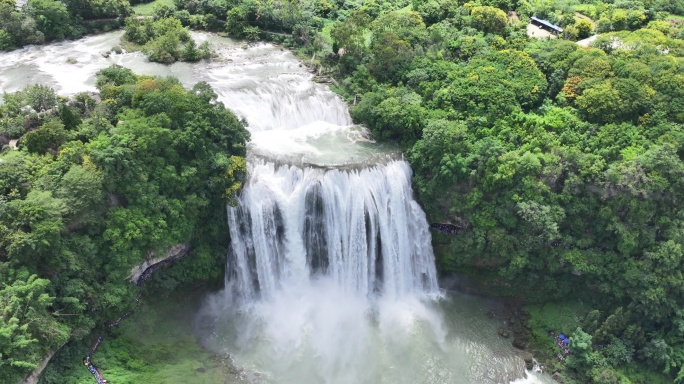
(360, 227)
(331, 277)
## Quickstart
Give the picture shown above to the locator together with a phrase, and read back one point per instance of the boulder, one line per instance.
(503, 332)
(529, 363)
(520, 343)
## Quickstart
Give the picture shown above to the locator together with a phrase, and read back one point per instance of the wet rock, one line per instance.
(503, 332)
(520, 343)
(529, 363)
(491, 314)
(557, 377)
(322, 79)
(511, 320)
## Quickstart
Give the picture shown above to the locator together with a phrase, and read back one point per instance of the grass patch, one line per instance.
(129, 46)
(587, 10)
(325, 31)
(581, 16)
(558, 317)
(146, 9)
(638, 374)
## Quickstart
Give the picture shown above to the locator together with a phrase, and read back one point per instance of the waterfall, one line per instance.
(330, 262)
(320, 199)
(330, 272)
(361, 227)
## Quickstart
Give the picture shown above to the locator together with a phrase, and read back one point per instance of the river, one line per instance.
(331, 276)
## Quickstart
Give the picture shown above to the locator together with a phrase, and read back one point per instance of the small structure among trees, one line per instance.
(546, 25)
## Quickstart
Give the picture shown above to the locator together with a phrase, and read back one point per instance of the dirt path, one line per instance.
(534, 31)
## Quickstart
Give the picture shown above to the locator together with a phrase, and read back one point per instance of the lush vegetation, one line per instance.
(165, 40)
(95, 189)
(41, 21)
(148, 9)
(561, 165)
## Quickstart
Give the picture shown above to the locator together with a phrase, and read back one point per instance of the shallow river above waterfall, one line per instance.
(331, 276)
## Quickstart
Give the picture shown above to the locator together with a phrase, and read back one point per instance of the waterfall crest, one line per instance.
(360, 227)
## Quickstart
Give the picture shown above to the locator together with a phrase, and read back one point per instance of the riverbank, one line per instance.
(532, 321)
(511, 312)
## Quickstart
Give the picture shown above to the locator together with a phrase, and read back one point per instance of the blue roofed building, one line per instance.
(546, 25)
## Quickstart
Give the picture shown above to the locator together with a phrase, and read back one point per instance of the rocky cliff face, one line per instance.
(35, 375)
(175, 252)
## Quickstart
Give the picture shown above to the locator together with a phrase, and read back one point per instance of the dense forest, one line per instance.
(560, 166)
(40, 21)
(96, 188)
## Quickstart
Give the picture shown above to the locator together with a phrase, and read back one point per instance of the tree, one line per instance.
(580, 347)
(391, 56)
(115, 75)
(34, 230)
(584, 28)
(433, 11)
(489, 19)
(20, 27)
(237, 19)
(543, 219)
(164, 49)
(440, 158)
(635, 19)
(190, 51)
(619, 19)
(406, 26)
(398, 117)
(48, 137)
(99, 9)
(52, 18)
(349, 41)
(5, 41)
(25, 323)
(164, 40)
(81, 190)
(492, 86)
(593, 63)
